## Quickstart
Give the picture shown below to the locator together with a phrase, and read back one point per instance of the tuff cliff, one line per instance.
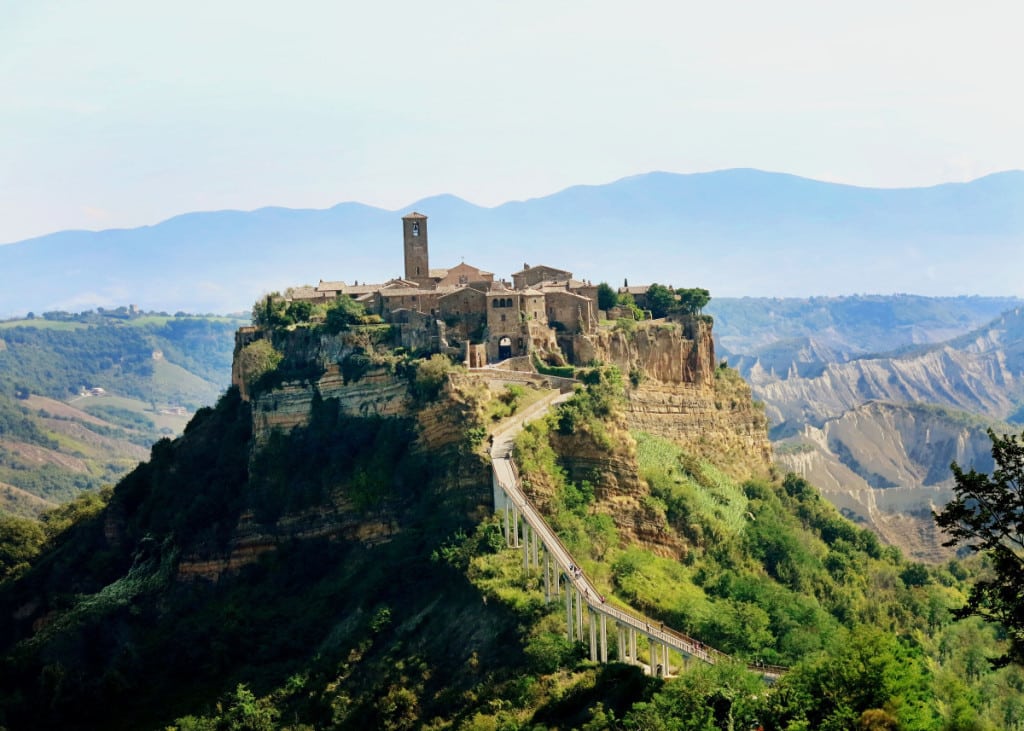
(351, 389)
(677, 392)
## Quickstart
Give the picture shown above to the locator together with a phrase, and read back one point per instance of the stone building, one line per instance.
(463, 309)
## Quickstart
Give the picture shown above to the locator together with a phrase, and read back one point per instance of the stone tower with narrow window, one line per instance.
(417, 257)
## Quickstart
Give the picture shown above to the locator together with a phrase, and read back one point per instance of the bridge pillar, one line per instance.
(579, 611)
(568, 609)
(536, 549)
(547, 579)
(593, 634)
(620, 633)
(632, 644)
(526, 547)
(515, 525)
(508, 524)
(652, 653)
(604, 638)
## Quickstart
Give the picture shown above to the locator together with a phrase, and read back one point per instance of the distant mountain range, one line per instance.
(736, 232)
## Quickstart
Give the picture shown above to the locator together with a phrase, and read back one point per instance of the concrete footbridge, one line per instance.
(589, 616)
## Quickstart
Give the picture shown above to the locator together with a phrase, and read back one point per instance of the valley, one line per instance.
(877, 432)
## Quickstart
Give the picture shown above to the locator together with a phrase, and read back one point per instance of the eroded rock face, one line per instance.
(374, 390)
(251, 540)
(377, 393)
(669, 352)
(675, 393)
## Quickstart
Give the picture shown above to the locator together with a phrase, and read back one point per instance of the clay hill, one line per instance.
(877, 432)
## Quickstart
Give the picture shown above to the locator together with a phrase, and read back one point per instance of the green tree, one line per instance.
(20, 540)
(300, 310)
(271, 311)
(342, 314)
(256, 359)
(693, 301)
(987, 516)
(660, 299)
(607, 297)
(430, 377)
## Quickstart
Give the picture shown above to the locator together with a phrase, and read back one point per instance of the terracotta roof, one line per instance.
(414, 214)
(437, 273)
(531, 291)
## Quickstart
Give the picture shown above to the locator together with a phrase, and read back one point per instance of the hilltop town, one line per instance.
(466, 309)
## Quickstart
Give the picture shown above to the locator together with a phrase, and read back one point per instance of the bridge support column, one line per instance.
(526, 547)
(593, 635)
(515, 525)
(547, 579)
(579, 611)
(652, 654)
(632, 644)
(568, 610)
(604, 638)
(620, 633)
(536, 549)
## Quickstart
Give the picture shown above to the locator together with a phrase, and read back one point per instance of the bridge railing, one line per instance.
(656, 629)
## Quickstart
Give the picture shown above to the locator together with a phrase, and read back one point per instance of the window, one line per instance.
(415, 228)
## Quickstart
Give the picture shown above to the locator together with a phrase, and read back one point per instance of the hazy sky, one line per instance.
(122, 113)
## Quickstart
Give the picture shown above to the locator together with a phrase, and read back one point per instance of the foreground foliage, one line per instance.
(987, 516)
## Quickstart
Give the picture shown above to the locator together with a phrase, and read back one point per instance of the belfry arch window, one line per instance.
(415, 228)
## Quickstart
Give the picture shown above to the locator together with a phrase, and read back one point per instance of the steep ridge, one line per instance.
(979, 372)
(887, 465)
(678, 392)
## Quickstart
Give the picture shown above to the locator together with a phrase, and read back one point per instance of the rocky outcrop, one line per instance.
(319, 362)
(378, 392)
(676, 392)
(670, 352)
(251, 540)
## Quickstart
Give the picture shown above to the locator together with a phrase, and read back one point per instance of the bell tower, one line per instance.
(417, 257)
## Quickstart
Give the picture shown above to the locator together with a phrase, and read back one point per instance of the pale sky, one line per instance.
(120, 113)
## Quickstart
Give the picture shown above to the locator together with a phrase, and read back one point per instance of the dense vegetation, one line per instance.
(987, 515)
(159, 361)
(113, 354)
(383, 598)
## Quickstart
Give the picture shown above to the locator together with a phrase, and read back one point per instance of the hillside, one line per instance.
(853, 419)
(323, 554)
(83, 397)
(735, 232)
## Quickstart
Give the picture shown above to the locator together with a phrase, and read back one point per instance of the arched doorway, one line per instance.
(505, 348)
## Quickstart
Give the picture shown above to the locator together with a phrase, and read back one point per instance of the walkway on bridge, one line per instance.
(525, 528)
